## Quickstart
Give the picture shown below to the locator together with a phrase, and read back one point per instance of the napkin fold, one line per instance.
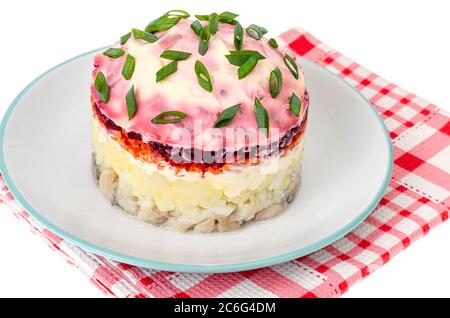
(416, 200)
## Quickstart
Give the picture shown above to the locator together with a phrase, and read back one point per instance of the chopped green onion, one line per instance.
(256, 31)
(102, 88)
(227, 16)
(262, 118)
(166, 71)
(162, 23)
(177, 13)
(224, 17)
(239, 57)
(212, 23)
(295, 104)
(197, 27)
(248, 66)
(204, 41)
(202, 17)
(245, 59)
(203, 76)
(169, 117)
(114, 52)
(128, 67)
(291, 65)
(142, 35)
(202, 47)
(124, 38)
(227, 116)
(238, 36)
(175, 55)
(273, 43)
(275, 82)
(131, 103)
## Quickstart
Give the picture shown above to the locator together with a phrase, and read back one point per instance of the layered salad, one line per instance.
(198, 123)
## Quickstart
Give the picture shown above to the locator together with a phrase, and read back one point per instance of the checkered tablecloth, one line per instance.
(417, 199)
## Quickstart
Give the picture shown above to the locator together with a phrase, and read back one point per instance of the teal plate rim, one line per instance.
(235, 267)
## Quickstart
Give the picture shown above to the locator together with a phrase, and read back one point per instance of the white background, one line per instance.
(406, 42)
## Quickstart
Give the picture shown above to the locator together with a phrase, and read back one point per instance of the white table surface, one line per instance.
(405, 42)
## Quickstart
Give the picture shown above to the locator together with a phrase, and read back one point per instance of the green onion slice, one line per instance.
(166, 70)
(177, 13)
(291, 65)
(227, 116)
(248, 66)
(202, 17)
(238, 36)
(295, 104)
(227, 16)
(256, 31)
(128, 67)
(262, 118)
(114, 52)
(239, 57)
(124, 38)
(175, 55)
(275, 82)
(102, 88)
(142, 35)
(204, 40)
(224, 17)
(197, 27)
(273, 43)
(131, 103)
(203, 77)
(162, 23)
(169, 117)
(203, 47)
(212, 23)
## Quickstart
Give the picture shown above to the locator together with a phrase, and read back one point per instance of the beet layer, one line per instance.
(196, 159)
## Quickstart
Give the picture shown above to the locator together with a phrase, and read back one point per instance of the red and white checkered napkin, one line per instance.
(417, 199)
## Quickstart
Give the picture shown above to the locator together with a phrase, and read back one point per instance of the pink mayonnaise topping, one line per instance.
(181, 91)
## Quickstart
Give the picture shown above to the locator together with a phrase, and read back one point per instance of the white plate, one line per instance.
(45, 155)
